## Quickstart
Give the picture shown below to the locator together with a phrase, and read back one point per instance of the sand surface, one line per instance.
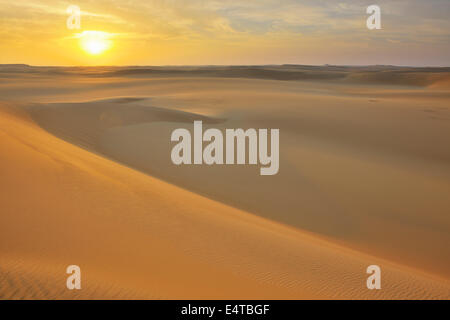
(86, 179)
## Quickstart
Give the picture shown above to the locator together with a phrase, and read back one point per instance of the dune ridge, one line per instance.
(380, 165)
(265, 259)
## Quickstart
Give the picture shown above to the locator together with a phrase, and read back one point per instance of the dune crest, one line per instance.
(158, 240)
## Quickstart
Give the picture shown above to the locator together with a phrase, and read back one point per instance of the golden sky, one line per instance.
(199, 32)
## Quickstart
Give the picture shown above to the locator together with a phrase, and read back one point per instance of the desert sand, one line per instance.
(86, 179)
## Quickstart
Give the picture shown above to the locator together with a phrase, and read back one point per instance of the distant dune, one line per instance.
(87, 179)
(388, 75)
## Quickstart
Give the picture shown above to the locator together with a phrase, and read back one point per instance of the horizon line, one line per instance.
(227, 65)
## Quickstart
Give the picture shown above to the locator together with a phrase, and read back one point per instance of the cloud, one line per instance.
(295, 26)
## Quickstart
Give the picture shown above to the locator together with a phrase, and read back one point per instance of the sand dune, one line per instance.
(87, 180)
(382, 75)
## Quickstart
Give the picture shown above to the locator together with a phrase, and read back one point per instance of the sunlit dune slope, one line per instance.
(135, 236)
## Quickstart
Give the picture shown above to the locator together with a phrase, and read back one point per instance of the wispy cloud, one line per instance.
(296, 27)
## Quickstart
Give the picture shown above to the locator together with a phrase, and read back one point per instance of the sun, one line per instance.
(95, 42)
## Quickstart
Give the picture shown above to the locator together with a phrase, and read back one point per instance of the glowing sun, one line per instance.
(95, 42)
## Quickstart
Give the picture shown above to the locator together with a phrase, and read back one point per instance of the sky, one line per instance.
(225, 32)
